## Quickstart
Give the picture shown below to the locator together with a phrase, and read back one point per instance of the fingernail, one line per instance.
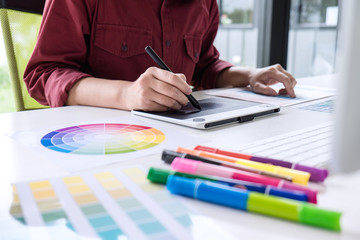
(189, 91)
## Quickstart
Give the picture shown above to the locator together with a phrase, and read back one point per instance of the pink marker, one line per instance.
(196, 167)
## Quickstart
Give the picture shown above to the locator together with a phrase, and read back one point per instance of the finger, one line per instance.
(182, 76)
(285, 80)
(263, 89)
(169, 91)
(292, 79)
(177, 80)
(152, 106)
(165, 101)
(154, 101)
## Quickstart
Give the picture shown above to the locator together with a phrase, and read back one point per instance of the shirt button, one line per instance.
(168, 43)
(196, 55)
(124, 48)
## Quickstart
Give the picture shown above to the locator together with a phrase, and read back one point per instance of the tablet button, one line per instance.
(199, 119)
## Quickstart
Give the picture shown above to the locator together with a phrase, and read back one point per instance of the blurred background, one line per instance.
(248, 36)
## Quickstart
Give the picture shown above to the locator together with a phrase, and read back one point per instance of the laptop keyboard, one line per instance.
(310, 146)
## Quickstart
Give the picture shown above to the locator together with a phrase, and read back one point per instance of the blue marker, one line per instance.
(292, 210)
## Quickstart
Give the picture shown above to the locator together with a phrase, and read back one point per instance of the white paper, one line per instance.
(76, 162)
(303, 94)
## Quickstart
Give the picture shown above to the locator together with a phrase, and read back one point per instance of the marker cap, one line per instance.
(208, 191)
(299, 177)
(161, 175)
(312, 215)
(185, 165)
(316, 174)
(158, 175)
(168, 156)
(182, 186)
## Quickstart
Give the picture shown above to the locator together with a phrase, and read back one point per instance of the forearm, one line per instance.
(234, 77)
(100, 93)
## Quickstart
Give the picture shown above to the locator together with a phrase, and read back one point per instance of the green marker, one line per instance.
(158, 175)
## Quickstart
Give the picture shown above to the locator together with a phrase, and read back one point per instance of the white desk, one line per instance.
(342, 192)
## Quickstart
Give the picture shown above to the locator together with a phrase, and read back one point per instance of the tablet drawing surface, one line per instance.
(209, 106)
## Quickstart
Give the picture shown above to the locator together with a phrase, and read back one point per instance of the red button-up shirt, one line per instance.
(106, 39)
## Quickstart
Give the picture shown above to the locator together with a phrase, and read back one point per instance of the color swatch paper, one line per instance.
(114, 204)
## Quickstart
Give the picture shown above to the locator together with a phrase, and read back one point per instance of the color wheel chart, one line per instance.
(113, 204)
(84, 145)
(102, 139)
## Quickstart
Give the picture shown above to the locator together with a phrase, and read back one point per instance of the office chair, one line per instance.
(20, 22)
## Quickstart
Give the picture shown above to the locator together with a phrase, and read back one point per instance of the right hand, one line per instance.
(157, 90)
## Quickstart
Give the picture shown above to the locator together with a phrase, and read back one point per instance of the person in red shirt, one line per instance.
(91, 52)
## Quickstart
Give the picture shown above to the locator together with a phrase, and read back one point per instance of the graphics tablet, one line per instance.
(216, 111)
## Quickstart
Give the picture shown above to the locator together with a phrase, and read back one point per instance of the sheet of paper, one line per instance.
(323, 105)
(303, 94)
(113, 204)
(91, 144)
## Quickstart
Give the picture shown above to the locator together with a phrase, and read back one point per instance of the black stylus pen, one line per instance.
(161, 63)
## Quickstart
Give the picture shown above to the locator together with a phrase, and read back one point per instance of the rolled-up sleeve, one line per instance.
(60, 53)
(209, 66)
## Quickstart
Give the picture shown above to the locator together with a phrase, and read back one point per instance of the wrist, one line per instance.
(234, 77)
(123, 98)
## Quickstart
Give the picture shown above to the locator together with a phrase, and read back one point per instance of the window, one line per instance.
(237, 38)
(312, 37)
(6, 98)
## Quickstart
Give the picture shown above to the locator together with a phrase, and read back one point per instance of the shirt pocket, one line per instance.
(123, 41)
(193, 47)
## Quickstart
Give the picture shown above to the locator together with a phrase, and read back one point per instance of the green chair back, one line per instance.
(20, 29)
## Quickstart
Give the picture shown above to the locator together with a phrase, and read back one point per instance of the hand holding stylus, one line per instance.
(161, 63)
(157, 90)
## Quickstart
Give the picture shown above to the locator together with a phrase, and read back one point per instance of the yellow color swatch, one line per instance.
(82, 188)
(41, 184)
(103, 175)
(44, 194)
(119, 193)
(111, 184)
(85, 199)
(71, 180)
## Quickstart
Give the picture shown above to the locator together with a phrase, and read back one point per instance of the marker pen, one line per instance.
(299, 177)
(197, 167)
(168, 156)
(161, 175)
(316, 174)
(254, 202)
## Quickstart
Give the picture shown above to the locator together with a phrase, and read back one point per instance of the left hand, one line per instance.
(261, 79)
